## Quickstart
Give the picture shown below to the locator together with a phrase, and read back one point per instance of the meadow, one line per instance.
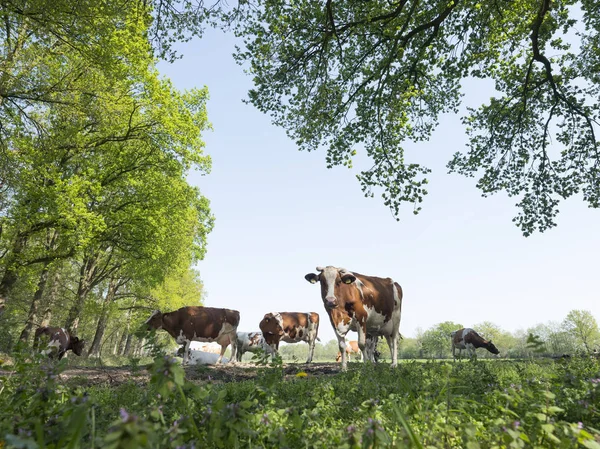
(434, 404)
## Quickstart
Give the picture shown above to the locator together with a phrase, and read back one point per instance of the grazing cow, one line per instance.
(291, 327)
(470, 340)
(351, 348)
(196, 323)
(58, 341)
(368, 305)
(251, 342)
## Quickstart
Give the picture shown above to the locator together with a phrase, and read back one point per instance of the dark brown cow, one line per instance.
(57, 342)
(291, 327)
(368, 305)
(470, 340)
(196, 323)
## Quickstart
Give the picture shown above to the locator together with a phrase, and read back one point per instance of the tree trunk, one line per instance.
(32, 317)
(127, 350)
(52, 299)
(116, 346)
(103, 320)
(86, 274)
(10, 273)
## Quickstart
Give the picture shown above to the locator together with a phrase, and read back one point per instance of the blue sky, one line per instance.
(280, 213)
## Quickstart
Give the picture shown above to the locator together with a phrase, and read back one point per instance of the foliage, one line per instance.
(434, 404)
(584, 327)
(375, 76)
(436, 341)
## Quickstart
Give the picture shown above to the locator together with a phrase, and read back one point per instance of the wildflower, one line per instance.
(265, 419)
(517, 424)
(301, 374)
(350, 429)
(580, 425)
(124, 415)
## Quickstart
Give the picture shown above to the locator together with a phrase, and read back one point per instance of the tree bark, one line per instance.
(86, 275)
(10, 273)
(32, 316)
(52, 299)
(103, 320)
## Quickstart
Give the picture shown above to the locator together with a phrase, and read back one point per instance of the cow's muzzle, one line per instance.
(331, 302)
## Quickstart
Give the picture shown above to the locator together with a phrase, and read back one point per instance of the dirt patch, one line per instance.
(116, 375)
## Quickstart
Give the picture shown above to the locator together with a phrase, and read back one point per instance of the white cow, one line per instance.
(251, 342)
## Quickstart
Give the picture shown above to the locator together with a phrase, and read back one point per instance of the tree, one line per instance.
(373, 75)
(584, 327)
(436, 340)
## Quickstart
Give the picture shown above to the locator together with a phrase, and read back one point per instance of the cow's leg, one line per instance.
(343, 354)
(239, 353)
(362, 343)
(311, 349)
(454, 352)
(234, 348)
(186, 352)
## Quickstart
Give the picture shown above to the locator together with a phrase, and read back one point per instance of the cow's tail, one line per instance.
(318, 339)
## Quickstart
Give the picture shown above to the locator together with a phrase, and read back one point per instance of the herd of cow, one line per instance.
(368, 305)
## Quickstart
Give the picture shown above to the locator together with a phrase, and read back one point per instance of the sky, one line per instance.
(280, 213)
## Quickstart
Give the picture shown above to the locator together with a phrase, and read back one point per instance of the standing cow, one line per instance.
(58, 341)
(470, 340)
(368, 305)
(251, 342)
(291, 327)
(196, 323)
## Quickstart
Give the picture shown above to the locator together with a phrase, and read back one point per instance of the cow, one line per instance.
(290, 327)
(470, 340)
(351, 348)
(197, 323)
(58, 341)
(368, 305)
(197, 357)
(251, 342)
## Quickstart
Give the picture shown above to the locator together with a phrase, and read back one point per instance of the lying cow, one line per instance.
(251, 342)
(470, 340)
(196, 357)
(351, 348)
(291, 327)
(57, 342)
(196, 323)
(368, 305)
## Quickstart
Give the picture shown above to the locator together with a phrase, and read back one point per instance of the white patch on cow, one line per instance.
(53, 346)
(376, 323)
(330, 274)
(181, 339)
(279, 318)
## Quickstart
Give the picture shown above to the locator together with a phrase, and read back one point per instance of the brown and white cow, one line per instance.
(351, 348)
(291, 327)
(57, 342)
(470, 340)
(251, 342)
(368, 305)
(196, 323)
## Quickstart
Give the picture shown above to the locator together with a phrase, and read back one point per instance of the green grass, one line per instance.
(484, 404)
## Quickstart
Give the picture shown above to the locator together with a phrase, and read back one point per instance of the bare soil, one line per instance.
(116, 375)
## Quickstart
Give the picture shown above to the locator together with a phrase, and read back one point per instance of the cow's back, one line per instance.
(299, 326)
(202, 323)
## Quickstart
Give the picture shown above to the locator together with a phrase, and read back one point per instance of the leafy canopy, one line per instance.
(357, 75)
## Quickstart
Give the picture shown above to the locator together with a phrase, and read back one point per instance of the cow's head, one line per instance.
(77, 345)
(492, 348)
(332, 281)
(271, 327)
(155, 320)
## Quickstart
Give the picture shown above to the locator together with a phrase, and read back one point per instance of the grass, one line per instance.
(484, 404)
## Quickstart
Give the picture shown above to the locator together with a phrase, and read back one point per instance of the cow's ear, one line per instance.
(74, 339)
(348, 278)
(312, 278)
